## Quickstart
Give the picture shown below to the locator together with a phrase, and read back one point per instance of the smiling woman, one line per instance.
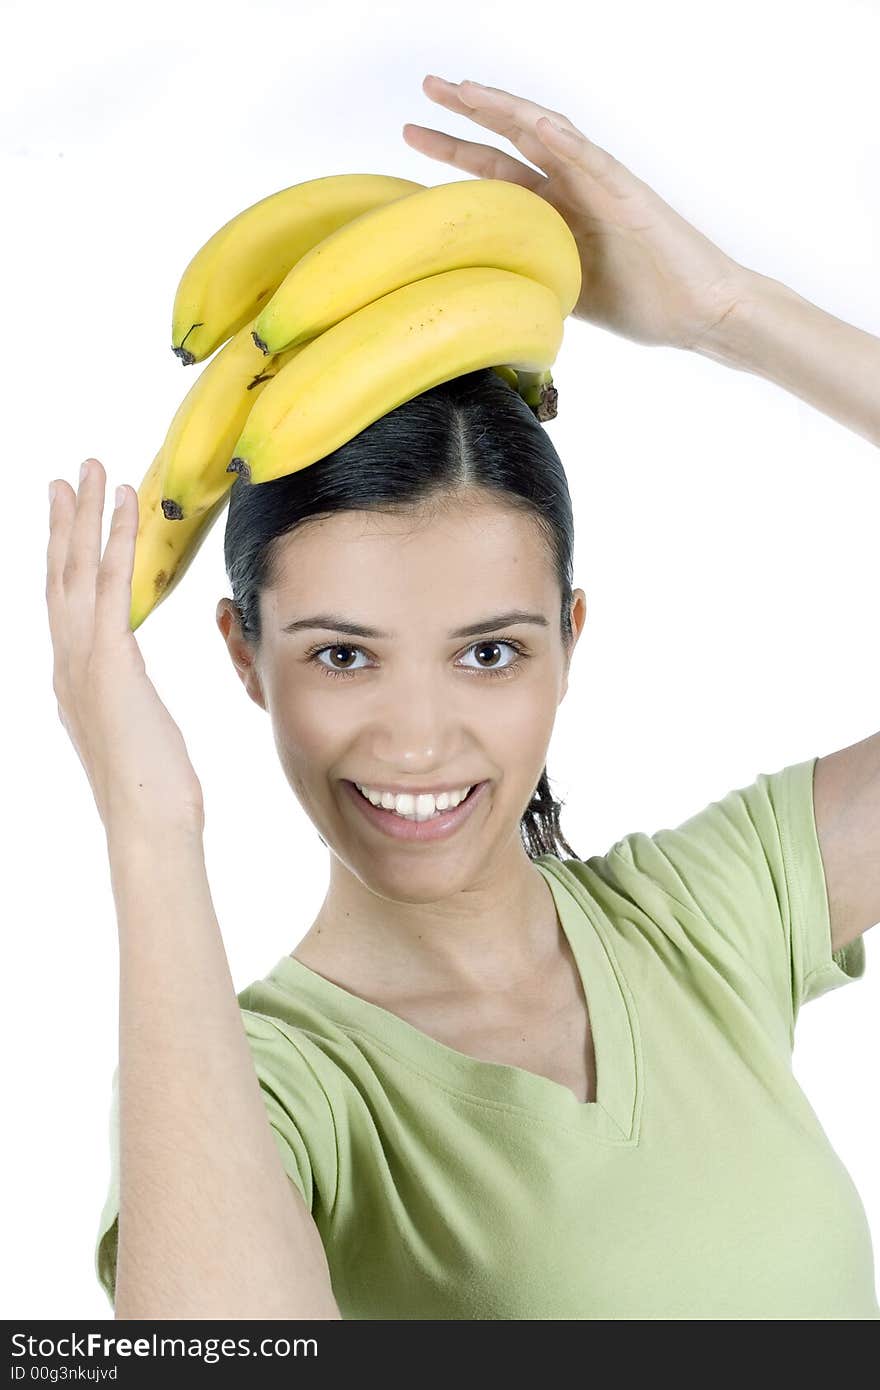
(500, 1082)
(470, 452)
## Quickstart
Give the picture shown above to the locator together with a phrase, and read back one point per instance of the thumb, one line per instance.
(571, 144)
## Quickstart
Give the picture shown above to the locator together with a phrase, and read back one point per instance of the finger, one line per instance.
(81, 565)
(520, 121)
(445, 94)
(113, 580)
(483, 160)
(508, 115)
(61, 513)
(586, 157)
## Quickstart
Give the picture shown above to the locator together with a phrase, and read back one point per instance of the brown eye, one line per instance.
(493, 645)
(329, 670)
(488, 646)
(334, 650)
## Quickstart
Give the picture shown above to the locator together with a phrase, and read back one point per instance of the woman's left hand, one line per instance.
(648, 274)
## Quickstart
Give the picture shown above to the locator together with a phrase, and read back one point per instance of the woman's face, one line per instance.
(413, 705)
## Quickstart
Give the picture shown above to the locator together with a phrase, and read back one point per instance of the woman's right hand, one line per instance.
(646, 273)
(131, 749)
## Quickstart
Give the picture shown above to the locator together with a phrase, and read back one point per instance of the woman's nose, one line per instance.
(416, 719)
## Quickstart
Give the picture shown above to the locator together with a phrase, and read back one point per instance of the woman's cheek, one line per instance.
(304, 720)
(523, 714)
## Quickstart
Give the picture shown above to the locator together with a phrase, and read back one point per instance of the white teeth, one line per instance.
(418, 808)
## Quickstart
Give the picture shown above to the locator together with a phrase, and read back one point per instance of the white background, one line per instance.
(726, 531)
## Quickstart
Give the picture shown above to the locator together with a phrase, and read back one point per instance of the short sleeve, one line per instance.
(300, 1121)
(298, 1108)
(750, 864)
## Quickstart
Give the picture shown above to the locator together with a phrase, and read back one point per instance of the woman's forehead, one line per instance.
(357, 543)
(388, 577)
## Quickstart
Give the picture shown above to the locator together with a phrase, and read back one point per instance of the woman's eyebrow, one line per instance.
(337, 623)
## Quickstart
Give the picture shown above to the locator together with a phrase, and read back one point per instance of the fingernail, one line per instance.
(84, 468)
(120, 496)
(51, 493)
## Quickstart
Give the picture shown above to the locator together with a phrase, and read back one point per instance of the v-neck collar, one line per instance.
(613, 1116)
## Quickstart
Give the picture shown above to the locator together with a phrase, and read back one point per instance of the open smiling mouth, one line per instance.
(437, 826)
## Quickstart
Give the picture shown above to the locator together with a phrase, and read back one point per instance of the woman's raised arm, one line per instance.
(208, 1224)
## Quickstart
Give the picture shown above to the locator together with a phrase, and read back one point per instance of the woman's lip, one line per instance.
(437, 828)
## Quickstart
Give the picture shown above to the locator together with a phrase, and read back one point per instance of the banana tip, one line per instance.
(238, 465)
(259, 342)
(186, 357)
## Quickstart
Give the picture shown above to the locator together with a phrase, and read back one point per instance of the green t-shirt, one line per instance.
(699, 1183)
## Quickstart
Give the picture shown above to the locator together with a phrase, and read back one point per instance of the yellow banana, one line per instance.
(472, 222)
(164, 549)
(187, 486)
(209, 420)
(243, 263)
(390, 351)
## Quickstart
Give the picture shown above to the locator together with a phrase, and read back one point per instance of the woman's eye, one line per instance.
(337, 647)
(478, 647)
(494, 644)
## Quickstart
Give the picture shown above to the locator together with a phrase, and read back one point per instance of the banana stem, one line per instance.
(507, 374)
(539, 393)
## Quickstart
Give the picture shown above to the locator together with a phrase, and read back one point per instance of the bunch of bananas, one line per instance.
(336, 300)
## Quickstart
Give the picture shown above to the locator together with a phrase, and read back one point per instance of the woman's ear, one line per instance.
(578, 617)
(241, 650)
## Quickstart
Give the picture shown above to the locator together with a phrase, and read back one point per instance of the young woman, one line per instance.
(501, 1081)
